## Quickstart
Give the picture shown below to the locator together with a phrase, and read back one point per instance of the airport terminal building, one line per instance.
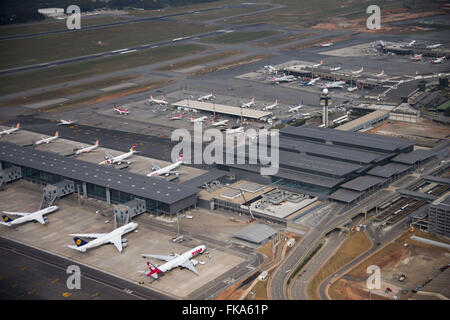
(339, 165)
(101, 182)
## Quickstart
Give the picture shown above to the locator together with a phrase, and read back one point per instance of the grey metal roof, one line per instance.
(354, 139)
(344, 195)
(337, 152)
(443, 202)
(135, 184)
(302, 177)
(413, 156)
(255, 233)
(208, 177)
(388, 170)
(308, 178)
(417, 195)
(316, 164)
(439, 180)
(362, 183)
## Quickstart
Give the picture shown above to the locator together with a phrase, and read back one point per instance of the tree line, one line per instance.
(19, 11)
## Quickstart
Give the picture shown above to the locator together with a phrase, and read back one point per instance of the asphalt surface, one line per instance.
(129, 49)
(379, 238)
(28, 273)
(301, 282)
(278, 281)
(149, 146)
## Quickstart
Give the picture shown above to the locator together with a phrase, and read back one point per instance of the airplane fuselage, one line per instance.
(31, 216)
(165, 170)
(87, 149)
(107, 238)
(46, 140)
(182, 258)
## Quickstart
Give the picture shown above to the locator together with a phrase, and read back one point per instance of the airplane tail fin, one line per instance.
(18, 125)
(7, 219)
(133, 147)
(96, 143)
(57, 134)
(214, 92)
(180, 158)
(79, 242)
(276, 101)
(154, 271)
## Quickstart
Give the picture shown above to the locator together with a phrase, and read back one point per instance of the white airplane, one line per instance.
(201, 119)
(329, 44)
(219, 123)
(174, 261)
(410, 44)
(166, 170)
(47, 140)
(313, 81)
(207, 97)
(318, 64)
(437, 60)
(160, 102)
(114, 237)
(283, 78)
(176, 117)
(334, 84)
(87, 149)
(25, 217)
(335, 68)
(66, 122)
(380, 74)
(417, 57)
(121, 110)
(270, 107)
(119, 159)
(350, 89)
(296, 109)
(11, 130)
(358, 71)
(248, 104)
(434, 46)
(234, 130)
(270, 69)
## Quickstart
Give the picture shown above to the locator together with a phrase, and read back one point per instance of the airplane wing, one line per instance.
(155, 167)
(157, 256)
(176, 172)
(188, 265)
(117, 241)
(109, 156)
(40, 219)
(22, 214)
(87, 235)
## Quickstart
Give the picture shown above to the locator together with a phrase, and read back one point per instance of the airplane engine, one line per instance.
(45, 219)
(124, 244)
(194, 262)
(124, 240)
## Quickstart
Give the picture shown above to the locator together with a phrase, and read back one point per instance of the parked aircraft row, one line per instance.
(419, 57)
(114, 237)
